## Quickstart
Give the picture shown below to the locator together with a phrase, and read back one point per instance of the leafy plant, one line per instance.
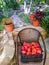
(45, 24)
(21, 1)
(4, 8)
(12, 4)
(25, 17)
(6, 5)
(32, 9)
(1, 17)
(1, 27)
(46, 10)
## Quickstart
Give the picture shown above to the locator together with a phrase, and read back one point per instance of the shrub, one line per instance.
(45, 24)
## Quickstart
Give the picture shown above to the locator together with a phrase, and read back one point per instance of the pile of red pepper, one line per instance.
(31, 48)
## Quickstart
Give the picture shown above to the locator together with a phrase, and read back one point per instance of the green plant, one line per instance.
(1, 17)
(45, 24)
(21, 1)
(6, 5)
(12, 4)
(4, 8)
(32, 9)
(47, 2)
(46, 10)
(1, 27)
(25, 17)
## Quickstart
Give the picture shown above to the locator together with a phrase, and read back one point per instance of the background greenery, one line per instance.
(5, 6)
(36, 1)
(45, 24)
(46, 10)
(12, 4)
(24, 17)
